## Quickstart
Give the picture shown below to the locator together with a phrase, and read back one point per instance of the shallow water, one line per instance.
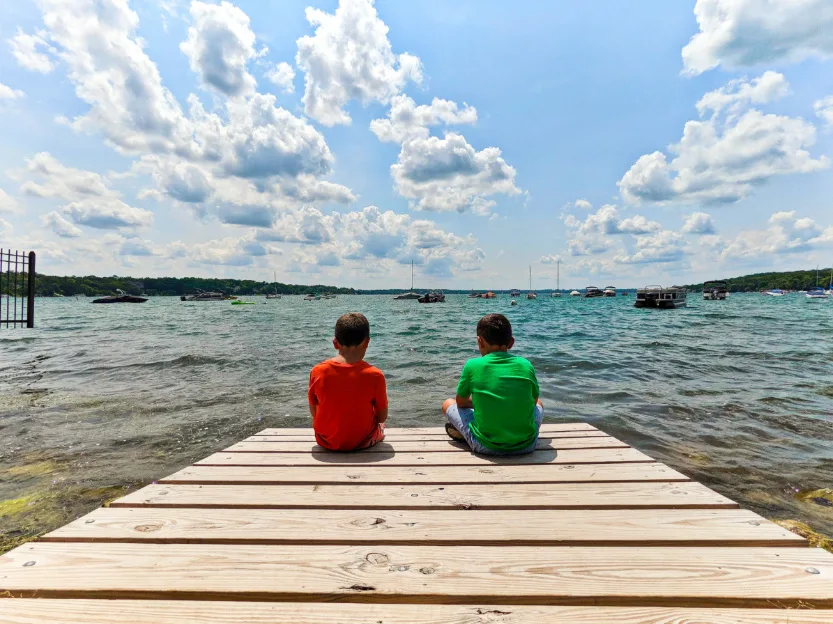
(737, 394)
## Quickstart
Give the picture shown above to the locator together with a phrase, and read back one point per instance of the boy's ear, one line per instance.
(511, 343)
(336, 346)
(480, 342)
(365, 343)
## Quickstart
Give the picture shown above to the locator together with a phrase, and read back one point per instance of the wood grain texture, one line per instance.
(402, 437)
(420, 446)
(383, 474)
(569, 456)
(473, 496)
(35, 611)
(545, 428)
(610, 576)
(636, 527)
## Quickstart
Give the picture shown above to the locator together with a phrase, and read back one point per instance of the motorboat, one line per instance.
(475, 295)
(669, 298)
(488, 295)
(575, 293)
(276, 294)
(311, 297)
(238, 302)
(609, 291)
(514, 293)
(329, 296)
(432, 297)
(411, 294)
(624, 293)
(774, 292)
(121, 297)
(202, 295)
(715, 291)
(591, 292)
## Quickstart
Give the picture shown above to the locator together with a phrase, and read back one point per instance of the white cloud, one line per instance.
(699, 223)
(550, 259)
(107, 214)
(219, 45)
(448, 174)
(5, 228)
(137, 247)
(406, 120)
(824, 110)
(786, 233)
(582, 204)
(7, 203)
(283, 76)
(61, 182)
(25, 51)
(722, 158)
(748, 33)
(61, 226)
(660, 247)
(596, 234)
(738, 93)
(7, 93)
(350, 57)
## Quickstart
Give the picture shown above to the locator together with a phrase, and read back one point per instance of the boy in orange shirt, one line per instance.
(347, 396)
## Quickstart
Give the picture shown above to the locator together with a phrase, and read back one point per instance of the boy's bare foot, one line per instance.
(453, 433)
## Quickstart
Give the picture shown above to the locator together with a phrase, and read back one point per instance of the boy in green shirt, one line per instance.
(497, 410)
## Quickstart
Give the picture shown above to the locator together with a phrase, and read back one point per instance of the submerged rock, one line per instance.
(814, 537)
(823, 497)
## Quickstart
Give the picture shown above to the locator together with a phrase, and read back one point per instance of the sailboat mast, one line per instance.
(530, 278)
(412, 275)
(558, 275)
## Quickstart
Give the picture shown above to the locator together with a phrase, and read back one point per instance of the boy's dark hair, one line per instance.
(495, 329)
(352, 329)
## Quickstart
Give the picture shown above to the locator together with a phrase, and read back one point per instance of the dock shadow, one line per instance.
(382, 451)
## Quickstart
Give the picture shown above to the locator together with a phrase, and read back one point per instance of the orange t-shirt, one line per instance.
(348, 397)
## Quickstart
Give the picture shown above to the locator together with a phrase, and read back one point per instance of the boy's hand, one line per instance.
(464, 402)
(382, 415)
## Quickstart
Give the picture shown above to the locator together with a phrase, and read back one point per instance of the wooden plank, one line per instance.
(637, 527)
(35, 611)
(570, 456)
(545, 428)
(419, 446)
(574, 575)
(402, 437)
(689, 494)
(370, 474)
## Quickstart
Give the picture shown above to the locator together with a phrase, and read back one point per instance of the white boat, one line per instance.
(276, 294)
(411, 294)
(575, 293)
(775, 292)
(514, 293)
(531, 294)
(609, 291)
(557, 291)
(311, 297)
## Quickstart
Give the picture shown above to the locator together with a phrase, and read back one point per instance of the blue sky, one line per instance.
(336, 142)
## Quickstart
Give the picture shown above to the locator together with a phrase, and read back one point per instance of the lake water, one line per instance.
(100, 398)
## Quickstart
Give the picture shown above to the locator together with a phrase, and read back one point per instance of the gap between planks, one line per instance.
(440, 475)
(645, 495)
(545, 428)
(636, 527)
(568, 456)
(419, 446)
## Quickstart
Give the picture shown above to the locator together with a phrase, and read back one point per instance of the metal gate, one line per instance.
(17, 288)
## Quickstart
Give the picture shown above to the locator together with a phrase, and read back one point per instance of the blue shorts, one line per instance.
(461, 420)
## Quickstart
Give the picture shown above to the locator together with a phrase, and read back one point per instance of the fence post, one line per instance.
(30, 314)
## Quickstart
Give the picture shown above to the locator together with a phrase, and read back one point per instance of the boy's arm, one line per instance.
(381, 400)
(311, 398)
(463, 397)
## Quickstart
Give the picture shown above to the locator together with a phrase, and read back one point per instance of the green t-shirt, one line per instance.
(504, 390)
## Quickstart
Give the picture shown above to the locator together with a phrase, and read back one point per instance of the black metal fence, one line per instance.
(17, 288)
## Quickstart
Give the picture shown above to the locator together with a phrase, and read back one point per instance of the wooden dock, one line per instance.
(585, 530)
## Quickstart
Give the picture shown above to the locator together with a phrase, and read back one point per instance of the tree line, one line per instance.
(91, 285)
(785, 280)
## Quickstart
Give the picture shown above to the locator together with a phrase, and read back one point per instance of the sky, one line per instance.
(339, 141)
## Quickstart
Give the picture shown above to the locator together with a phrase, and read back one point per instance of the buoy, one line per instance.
(513, 302)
